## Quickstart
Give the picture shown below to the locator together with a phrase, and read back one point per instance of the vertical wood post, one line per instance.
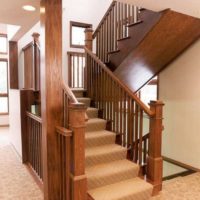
(88, 45)
(77, 125)
(155, 161)
(51, 92)
(88, 38)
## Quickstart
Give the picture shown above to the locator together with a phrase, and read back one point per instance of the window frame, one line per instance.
(4, 36)
(5, 94)
(81, 25)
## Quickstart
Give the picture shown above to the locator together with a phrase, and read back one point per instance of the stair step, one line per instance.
(131, 189)
(122, 39)
(112, 52)
(86, 101)
(92, 112)
(109, 173)
(98, 138)
(104, 154)
(95, 124)
(78, 92)
(134, 24)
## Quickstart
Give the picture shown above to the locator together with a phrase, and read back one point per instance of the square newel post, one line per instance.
(88, 38)
(77, 125)
(155, 161)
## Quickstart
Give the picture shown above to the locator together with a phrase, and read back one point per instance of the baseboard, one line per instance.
(180, 164)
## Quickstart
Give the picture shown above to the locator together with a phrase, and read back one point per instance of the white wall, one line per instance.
(180, 91)
(27, 38)
(86, 11)
(15, 120)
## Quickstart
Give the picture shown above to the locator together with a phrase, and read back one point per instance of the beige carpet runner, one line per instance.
(110, 175)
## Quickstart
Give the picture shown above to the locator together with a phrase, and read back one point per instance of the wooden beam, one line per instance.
(51, 91)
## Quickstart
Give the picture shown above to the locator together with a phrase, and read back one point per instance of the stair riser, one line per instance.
(95, 126)
(87, 102)
(100, 181)
(78, 94)
(92, 114)
(92, 142)
(105, 158)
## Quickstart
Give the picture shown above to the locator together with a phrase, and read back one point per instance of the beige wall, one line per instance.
(180, 91)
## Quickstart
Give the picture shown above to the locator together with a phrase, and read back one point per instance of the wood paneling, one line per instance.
(172, 35)
(51, 92)
(29, 66)
(13, 64)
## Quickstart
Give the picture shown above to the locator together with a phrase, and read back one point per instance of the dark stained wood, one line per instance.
(137, 31)
(27, 98)
(13, 64)
(51, 92)
(29, 66)
(154, 160)
(151, 55)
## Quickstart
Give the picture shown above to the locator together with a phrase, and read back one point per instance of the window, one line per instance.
(3, 44)
(3, 86)
(77, 34)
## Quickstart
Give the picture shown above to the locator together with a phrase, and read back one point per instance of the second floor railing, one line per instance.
(113, 27)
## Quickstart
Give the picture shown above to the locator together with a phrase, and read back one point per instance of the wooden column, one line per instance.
(155, 161)
(51, 92)
(77, 125)
(88, 38)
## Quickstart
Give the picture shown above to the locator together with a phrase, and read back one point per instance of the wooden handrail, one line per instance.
(122, 85)
(104, 17)
(35, 117)
(69, 93)
(63, 131)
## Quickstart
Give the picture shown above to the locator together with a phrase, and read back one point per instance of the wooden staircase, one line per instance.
(108, 170)
(152, 41)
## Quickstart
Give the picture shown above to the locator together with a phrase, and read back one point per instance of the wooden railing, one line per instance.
(129, 117)
(64, 152)
(34, 132)
(76, 66)
(113, 27)
(71, 143)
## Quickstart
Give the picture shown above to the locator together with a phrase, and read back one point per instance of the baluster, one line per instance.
(136, 134)
(140, 136)
(78, 71)
(119, 17)
(69, 70)
(125, 21)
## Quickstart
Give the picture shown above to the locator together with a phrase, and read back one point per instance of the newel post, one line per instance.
(155, 161)
(77, 125)
(88, 38)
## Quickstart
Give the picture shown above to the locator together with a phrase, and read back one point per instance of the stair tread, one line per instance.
(112, 167)
(83, 98)
(78, 90)
(96, 120)
(92, 109)
(103, 133)
(104, 149)
(131, 189)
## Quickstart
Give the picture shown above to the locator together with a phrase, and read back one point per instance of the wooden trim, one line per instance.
(2, 114)
(4, 126)
(77, 24)
(35, 117)
(63, 131)
(123, 86)
(5, 36)
(185, 173)
(30, 44)
(69, 93)
(180, 164)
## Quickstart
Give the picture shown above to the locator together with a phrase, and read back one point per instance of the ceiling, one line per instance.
(11, 12)
(189, 7)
